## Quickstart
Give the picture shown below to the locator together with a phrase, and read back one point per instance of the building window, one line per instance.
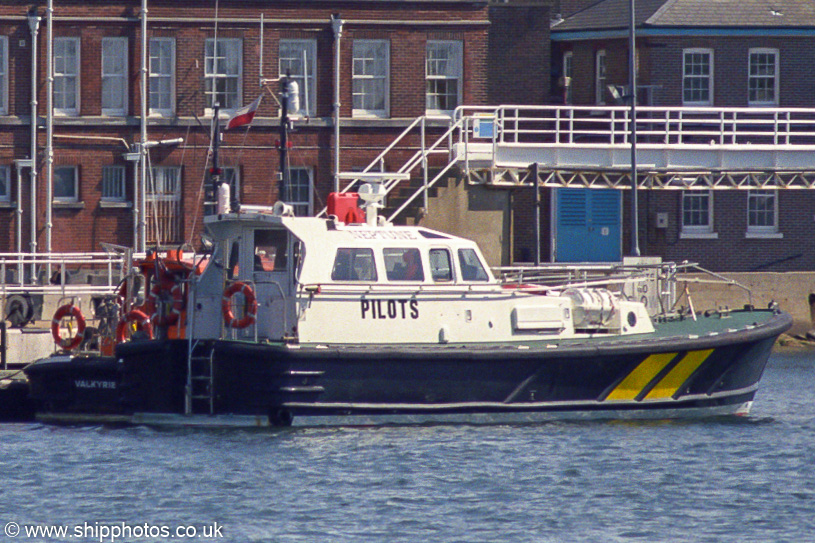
(697, 213)
(301, 184)
(370, 78)
(298, 59)
(66, 184)
(762, 79)
(222, 73)
(162, 80)
(697, 77)
(113, 184)
(762, 212)
(600, 77)
(5, 184)
(114, 76)
(163, 202)
(568, 58)
(66, 76)
(443, 71)
(3, 75)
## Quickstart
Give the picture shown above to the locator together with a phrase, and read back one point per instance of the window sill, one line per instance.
(764, 235)
(698, 235)
(68, 205)
(356, 114)
(5, 204)
(115, 205)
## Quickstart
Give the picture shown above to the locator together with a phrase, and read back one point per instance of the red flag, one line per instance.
(243, 115)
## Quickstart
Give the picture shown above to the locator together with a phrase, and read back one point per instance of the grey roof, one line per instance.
(610, 14)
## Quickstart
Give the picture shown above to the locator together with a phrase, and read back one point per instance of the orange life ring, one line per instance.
(142, 323)
(250, 305)
(153, 307)
(68, 343)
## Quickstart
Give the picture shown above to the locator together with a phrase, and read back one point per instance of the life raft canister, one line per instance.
(141, 320)
(177, 296)
(250, 305)
(68, 343)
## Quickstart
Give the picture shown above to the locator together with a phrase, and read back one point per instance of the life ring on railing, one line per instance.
(250, 305)
(141, 320)
(177, 296)
(68, 343)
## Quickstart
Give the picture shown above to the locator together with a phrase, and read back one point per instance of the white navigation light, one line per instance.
(371, 194)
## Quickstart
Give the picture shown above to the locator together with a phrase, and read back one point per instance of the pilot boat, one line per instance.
(347, 319)
(301, 320)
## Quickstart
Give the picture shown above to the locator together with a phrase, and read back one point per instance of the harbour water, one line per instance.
(747, 479)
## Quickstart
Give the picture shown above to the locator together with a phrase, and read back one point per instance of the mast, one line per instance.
(632, 85)
(215, 171)
(284, 188)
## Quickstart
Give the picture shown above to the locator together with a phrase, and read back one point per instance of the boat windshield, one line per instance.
(270, 250)
(471, 267)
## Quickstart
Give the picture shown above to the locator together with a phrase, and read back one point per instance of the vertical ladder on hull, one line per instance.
(199, 394)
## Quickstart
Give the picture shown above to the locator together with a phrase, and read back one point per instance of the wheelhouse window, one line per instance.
(403, 264)
(370, 78)
(222, 73)
(66, 76)
(762, 81)
(66, 184)
(697, 213)
(697, 77)
(298, 59)
(354, 264)
(113, 184)
(114, 76)
(444, 67)
(3, 75)
(162, 76)
(441, 265)
(271, 250)
(5, 184)
(762, 213)
(471, 267)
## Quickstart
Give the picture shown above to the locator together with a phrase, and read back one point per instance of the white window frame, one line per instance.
(568, 68)
(688, 78)
(3, 75)
(698, 231)
(775, 76)
(361, 111)
(455, 74)
(5, 174)
(66, 74)
(212, 74)
(68, 199)
(762, 231)
(118, 46)
(600, 76)
(303, 206)
(114, 177)
(308, 93)
(156, 46)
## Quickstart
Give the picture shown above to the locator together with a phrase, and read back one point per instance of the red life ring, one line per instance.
(177, 296)
(142, 323)
(68, 343)
(250, 305)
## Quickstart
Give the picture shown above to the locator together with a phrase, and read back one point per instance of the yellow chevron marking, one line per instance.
(669, 384)
(639, 378)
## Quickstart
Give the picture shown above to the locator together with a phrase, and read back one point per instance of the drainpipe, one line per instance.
(49, 125)
(336, 25)
(34, 26)
(142, 212)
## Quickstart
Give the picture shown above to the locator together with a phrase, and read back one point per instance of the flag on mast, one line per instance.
(244, 115)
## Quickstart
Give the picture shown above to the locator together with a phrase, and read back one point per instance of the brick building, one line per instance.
(398, 60)
(697, 53)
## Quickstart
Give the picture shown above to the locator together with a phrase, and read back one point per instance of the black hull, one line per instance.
(667, 375)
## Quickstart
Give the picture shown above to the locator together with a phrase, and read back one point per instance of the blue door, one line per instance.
(588, 225)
